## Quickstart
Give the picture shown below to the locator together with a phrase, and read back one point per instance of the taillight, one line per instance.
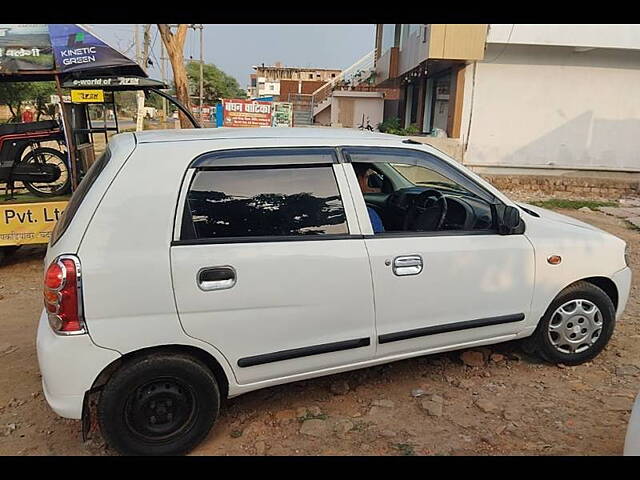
(63, 295)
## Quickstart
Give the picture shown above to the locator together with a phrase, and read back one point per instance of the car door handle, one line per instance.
(216, 278)
(407, 265)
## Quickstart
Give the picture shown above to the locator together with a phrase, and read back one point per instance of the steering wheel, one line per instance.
(426, 212)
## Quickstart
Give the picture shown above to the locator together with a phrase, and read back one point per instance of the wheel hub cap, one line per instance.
(575, 326)
(159, 409)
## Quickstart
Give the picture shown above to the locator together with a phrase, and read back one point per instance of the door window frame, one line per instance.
(424, 159)
(266, 158)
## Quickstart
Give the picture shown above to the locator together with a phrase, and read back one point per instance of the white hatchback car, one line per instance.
(192, 265)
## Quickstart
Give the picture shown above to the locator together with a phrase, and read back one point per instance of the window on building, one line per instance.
(311, 76)
(333, 75)
(251, 202)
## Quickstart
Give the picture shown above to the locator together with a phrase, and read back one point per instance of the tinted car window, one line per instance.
(79, 195)
(250, 202)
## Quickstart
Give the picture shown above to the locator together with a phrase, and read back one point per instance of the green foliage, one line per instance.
(572, 204)
(13, 95)
(392, 125)
(311, 416)
(216, 85)
(16, 94)
(41, 95)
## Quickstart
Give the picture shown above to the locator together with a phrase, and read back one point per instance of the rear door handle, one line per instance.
(216, 278)
(407, 265)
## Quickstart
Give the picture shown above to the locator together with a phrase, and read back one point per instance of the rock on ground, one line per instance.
(472, 358)
(433, 406)
(487, 406)
(314, 427)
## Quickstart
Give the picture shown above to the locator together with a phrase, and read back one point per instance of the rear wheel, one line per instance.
(49, 156)
(577, 325)
(161, 404)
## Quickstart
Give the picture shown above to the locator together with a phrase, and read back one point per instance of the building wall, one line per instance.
(348, 107)
(295, 73)
(292, 86)
(576, 35)
(537, 106)
(323, 118)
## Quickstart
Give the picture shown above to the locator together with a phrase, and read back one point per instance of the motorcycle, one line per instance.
(44, 171)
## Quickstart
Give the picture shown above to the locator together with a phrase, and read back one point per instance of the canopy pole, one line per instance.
(71, 144)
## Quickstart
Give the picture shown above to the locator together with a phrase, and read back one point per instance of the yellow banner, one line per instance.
(87, 96)
(25, 223)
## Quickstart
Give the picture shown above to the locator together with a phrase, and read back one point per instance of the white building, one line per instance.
(519, 95)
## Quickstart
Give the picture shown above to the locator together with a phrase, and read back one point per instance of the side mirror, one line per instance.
(509, 220)
(374, 181)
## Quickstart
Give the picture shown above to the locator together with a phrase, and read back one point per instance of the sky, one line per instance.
(236, 48)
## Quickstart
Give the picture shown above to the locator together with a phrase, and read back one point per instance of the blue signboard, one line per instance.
(76, 49)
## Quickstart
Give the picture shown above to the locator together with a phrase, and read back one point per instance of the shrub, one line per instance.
(392, 125)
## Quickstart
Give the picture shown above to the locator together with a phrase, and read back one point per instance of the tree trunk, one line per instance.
(174, 43)
(13, 113)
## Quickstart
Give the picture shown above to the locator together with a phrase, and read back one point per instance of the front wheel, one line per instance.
(577, 325)
(56, 158)
(161, 404)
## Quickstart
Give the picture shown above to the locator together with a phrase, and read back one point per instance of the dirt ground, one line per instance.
(511, 404)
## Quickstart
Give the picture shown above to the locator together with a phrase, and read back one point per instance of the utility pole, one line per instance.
(142, 61)
(163, 74)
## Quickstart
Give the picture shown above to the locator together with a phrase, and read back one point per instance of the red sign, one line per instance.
(246, 113)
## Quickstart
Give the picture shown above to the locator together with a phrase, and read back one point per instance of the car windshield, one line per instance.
(425, 177)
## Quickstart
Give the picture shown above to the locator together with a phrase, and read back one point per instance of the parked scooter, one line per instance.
(42, 170)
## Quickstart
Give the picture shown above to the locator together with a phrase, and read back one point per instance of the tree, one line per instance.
(216, 84)
(174, 43)
(13, 95)
(41, 95)
(16, 94)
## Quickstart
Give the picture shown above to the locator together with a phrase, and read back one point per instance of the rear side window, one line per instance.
(263, 202)
(79, 195)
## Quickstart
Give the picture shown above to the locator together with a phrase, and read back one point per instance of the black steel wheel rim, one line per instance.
(160, 409)
(52, 161)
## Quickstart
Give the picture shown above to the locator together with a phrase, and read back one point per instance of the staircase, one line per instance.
(351, 78)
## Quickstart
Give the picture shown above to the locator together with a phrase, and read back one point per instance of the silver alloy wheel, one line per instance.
(575, 326)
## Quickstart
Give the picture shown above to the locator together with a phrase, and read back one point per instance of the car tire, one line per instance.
(551, 338)
(160, 404)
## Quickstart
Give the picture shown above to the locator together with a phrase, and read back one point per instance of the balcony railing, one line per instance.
(352, 76)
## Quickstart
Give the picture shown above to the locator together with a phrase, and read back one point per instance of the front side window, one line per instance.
(263, 202)
(404, 194)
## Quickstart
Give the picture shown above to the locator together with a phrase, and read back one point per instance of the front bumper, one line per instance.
(69, 365)
(622, 279)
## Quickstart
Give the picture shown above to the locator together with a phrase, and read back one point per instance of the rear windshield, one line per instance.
(78, 196)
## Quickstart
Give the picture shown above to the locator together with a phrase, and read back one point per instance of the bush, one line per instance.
(392, 125)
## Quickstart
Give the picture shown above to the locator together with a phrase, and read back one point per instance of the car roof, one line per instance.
(226, 133)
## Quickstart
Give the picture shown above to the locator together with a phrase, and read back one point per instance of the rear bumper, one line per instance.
(622, 279)
(68, 365)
